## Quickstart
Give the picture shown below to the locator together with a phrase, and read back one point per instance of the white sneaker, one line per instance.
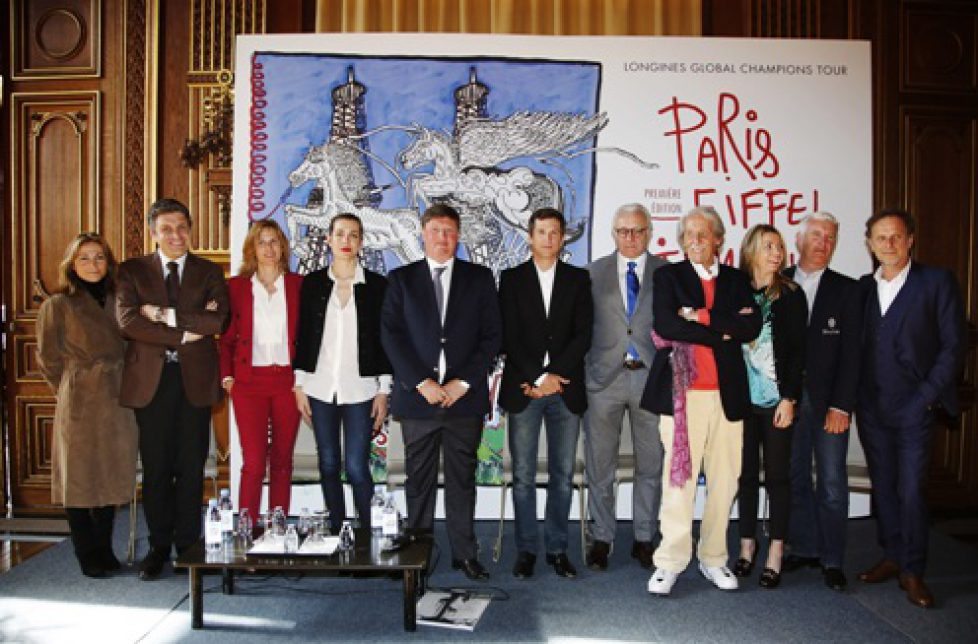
(721, 576)
(662, 581)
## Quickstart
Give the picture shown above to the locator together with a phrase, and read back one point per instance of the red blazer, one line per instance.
(235, 343)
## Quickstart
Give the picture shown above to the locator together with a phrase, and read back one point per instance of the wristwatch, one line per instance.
(160, 315)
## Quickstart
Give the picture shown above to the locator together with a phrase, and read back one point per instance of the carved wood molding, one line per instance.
(135, 128)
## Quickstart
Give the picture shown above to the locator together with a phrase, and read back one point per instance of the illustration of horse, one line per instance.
(496, 203)
(340, 175)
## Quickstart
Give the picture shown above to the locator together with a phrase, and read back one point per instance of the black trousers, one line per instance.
(761, 434)
(91, 530)
(174, 437)
(423, 441)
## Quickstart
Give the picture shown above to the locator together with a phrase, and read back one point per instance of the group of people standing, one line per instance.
(730, 373)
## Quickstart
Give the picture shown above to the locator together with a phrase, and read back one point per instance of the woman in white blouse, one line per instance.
(256, 365)
(342, 373)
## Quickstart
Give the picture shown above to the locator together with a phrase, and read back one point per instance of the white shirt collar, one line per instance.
(432, 264)
(705, 273)
(164, 260)
(358, 275)
(279, 282)
(899, 278)
(802, 276)
(639, 263)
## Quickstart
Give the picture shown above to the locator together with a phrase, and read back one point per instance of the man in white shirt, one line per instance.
(441, 329)
(819, 512)
(617, 367)
(170, 304)
(546, 308)
(913, 343)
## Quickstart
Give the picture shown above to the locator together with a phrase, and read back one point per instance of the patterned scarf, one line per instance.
(683, 374)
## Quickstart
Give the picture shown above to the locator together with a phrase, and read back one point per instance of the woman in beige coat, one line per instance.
(81, 355)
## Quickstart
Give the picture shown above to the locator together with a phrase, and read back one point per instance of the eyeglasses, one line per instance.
(625, 233)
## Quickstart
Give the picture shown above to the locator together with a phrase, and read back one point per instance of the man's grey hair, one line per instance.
(634, 207)
(707, 212)
(820, 215)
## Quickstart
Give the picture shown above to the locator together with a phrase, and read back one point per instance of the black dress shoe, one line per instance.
(643, 551)
(744, 567)
(524, 565)
(834, 578)
(471, 567)
(597, 556)
(108, 560)
(770, 578)
(794, 562)
(562, 565)
(151, 566)
(91, 566)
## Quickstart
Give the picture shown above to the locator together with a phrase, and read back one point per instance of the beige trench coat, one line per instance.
(94, 447)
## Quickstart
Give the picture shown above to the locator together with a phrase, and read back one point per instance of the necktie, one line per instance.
(439, 290)
(172, 283)
(632, 286)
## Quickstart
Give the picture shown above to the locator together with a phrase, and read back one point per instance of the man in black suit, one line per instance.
(913, 342)
(547, 312)
(817, 527)
(702, 312)
(441, 330)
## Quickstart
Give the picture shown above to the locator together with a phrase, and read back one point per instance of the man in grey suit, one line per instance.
(617, 367)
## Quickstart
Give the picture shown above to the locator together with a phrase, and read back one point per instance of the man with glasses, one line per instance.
(617, 367)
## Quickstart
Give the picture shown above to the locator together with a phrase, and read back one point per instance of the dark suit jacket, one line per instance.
(412, 335)
(677, 285)
(789, 315)
(141, 282)
(929, 343)
(529, 333)
(235, 343)
(832, 346)
(368, 297)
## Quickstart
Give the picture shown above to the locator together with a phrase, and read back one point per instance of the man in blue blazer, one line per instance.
(547, 311)
(441, 329)
(817, 527)
(913, 341)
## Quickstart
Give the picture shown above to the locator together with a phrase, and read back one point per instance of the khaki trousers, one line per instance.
(715, 446)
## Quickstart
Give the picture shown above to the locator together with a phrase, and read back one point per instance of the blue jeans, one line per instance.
(562, 428)
(357, 433)
(818, 513)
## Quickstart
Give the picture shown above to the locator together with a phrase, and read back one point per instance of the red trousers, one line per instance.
(268, 422)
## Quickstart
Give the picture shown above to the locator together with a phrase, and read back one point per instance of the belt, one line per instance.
(633, 365)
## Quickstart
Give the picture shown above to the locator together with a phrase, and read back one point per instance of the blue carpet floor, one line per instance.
(46, 599)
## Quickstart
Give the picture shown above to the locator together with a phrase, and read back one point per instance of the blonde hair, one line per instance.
(249, 262)
(749, 249)
(68, 280)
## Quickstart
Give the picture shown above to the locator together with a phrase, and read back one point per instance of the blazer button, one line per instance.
(443, 340)
(629, 332)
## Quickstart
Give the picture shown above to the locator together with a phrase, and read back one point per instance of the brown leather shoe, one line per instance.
(917, 591)
(883, 571)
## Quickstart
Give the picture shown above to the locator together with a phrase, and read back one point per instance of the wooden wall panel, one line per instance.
(56, 38)
(938, 48)
(56, 195)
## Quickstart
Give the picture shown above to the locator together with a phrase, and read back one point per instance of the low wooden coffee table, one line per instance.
(366, 558)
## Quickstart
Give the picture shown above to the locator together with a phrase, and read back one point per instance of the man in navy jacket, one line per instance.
(913, 341)
(441, 329)
(817, 528)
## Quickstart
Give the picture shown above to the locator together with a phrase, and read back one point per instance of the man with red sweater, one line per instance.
(702, 312)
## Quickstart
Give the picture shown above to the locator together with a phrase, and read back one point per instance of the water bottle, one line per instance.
(346, 536)
(291, 540)
(212, 527)
(390, 522)
(305, 523)
(377, 504)
(278, 521)
(244, 526)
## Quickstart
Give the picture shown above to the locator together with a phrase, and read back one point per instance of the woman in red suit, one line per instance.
(256, 364)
